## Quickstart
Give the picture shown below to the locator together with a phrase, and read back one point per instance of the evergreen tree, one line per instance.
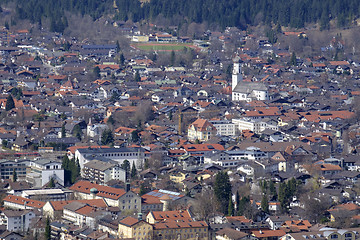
(293, 60)
(117, 46)
(230, 207)
(77, 132)
(74, 170)
(122, 59)
(222, 190)
(133, 171)
(172, 58)
(126, 166)
(134, 136)
(47, 233)
(324, 21)
(63, 131)
(51, 183)
(244, 204)
(14, 175)
(265, 204)
(272, 190)
(137, 77)
(107, 137)
(111, 120)
(237, 200)
(96, 72)
(10, 104)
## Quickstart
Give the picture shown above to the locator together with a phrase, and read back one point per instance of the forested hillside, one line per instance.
(240, 13)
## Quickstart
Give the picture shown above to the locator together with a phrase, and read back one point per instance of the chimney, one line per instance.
(127, 187)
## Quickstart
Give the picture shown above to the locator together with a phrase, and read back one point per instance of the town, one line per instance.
(226, 135)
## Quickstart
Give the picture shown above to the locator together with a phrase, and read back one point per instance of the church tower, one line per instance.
(236, 75)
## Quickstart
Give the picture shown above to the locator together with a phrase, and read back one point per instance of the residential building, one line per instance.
(135, 228)
(197, 230)
(54, 209)
(255, 125)
(224, 127)
(16, 202)
(119, 155)
(43, 170)
(82, 214)
(116, 197)
(16, 220)
(103, 171)
(159, 200)
(167, 216)
(201, 130)
(7, 168)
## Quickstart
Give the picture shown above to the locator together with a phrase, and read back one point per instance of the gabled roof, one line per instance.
(202, 147)
(268, 233)
(59, 205)
(129, 221)
(177, 215)
(24, 201)
(202, 125)
(103, 191)
(179, 225)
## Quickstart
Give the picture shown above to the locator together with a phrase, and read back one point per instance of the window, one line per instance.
(334, 236)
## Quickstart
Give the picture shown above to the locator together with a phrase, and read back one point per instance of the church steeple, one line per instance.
(236, 75)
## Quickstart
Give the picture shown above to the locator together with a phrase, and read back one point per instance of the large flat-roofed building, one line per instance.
(224, 127)
(43, 170)
(119, 155)
(7, 168)
(103, 171)
(47, 194)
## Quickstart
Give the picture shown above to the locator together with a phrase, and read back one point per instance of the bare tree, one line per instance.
(315, 206)
(206, 204)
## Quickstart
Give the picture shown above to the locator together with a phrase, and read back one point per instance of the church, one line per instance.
(246, 91)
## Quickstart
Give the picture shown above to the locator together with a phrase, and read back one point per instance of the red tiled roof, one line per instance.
(21, 201)
(129, 221)
(59, 205)
(178, 225)
(201, 125)
(202, 147)
(74, 148)
(177, 215)
(104, 191)
(268, 233)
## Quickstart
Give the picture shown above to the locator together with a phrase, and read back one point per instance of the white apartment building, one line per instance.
(235, 157)
(255, 125)
(224, 127)
(42, 170)
(102, 172)
(119, 155)
(16, 220)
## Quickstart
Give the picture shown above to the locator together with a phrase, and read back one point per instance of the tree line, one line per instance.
(293, 13)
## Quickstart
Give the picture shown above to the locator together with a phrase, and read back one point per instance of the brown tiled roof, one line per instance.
(177, 215)
(129, 221)
(268, 233)
(104, 191)
(202, 125)
(24, 201)
(231, 233)
(178, 225)
(202, 147)
(59, 205)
